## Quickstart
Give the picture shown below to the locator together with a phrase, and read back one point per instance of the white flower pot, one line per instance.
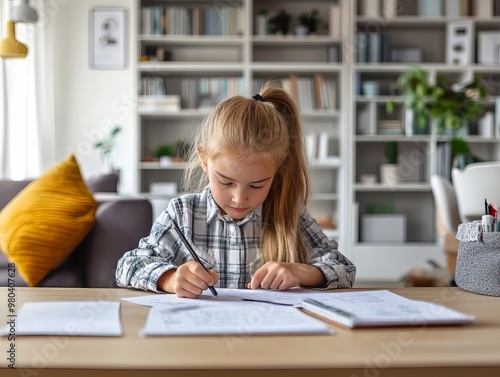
(301, 30)
(389, 174)
(165, 161)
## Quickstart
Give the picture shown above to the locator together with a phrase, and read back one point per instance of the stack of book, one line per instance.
(390, 127)
(163, 103)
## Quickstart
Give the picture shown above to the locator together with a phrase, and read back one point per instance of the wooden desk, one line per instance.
(417, 351)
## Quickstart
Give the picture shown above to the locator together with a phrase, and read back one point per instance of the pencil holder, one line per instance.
(478, 259)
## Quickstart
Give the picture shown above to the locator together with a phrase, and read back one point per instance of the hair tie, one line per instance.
(257, 97)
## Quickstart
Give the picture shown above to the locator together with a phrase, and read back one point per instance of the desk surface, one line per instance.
(410, 351)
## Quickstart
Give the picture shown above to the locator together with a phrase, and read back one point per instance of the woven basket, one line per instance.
(478, 260)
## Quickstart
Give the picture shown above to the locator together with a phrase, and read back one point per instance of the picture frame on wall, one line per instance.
(108, 38)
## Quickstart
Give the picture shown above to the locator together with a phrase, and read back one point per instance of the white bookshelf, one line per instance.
(413, 196)
(336, 183)
(251, 58)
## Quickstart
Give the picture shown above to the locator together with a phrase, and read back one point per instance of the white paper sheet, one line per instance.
(70, 318)
(292, 297)
(230, 319)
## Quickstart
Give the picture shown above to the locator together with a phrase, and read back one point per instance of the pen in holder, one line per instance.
(488, 224)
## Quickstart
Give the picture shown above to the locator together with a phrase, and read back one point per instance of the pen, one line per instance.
(193, 254)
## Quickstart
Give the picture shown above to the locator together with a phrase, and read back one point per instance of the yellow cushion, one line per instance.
(44, 223)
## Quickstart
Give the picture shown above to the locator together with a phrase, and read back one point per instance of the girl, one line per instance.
(249, 224)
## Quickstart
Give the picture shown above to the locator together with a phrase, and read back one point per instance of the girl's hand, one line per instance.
(189, 280)
(282, 276)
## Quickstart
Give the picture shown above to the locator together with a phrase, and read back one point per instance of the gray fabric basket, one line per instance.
(478, 260)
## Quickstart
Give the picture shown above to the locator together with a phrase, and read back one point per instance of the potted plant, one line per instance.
(450, 106)
(165, 154)
(106, 147)
(280, 22)
(389, 170)
(175, 152)
(309, 20)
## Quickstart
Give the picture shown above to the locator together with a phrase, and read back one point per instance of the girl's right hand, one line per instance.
(191, 279)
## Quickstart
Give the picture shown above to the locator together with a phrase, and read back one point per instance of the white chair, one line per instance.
(447, 218)
(477, 182)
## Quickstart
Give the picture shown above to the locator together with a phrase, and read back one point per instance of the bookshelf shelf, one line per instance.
(298, 67)
(401, 187)
(202, 67)
(385, 138)
(157, 166)
(191, 39)
(316, 40)
(167, 114)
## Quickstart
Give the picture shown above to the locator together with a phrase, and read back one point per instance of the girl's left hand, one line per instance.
(282, 276)
(275, 275)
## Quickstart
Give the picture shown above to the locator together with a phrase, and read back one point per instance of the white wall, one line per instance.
(88, 103)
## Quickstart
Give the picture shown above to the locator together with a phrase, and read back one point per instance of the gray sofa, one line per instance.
(119, 224)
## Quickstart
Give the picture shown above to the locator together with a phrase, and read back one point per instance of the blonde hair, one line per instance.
(266, 130)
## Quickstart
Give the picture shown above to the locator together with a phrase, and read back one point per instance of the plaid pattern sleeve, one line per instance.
(156, 254)
(339, 271)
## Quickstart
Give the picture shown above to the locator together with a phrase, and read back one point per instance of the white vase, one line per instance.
(261, 25)
(301, 30)
(389, 174)
(165, 161)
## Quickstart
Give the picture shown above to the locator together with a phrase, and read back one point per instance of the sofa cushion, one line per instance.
(9, 189)
(44, 223)
(107, 182)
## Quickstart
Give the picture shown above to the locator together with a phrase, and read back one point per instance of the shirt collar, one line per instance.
(213, 211)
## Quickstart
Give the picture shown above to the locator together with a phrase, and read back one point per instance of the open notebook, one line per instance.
(381, 309)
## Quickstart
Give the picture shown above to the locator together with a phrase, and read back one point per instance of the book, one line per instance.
(374, 47)
(334, 23)
(361, 47)
(370, 8)
(380, 308)
(497, 117)
(389, 8)
(323, 146)
(452, 8)
(464, 8)
(483, 8)
(430, 8)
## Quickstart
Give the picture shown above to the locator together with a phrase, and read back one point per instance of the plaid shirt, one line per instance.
(230, 247)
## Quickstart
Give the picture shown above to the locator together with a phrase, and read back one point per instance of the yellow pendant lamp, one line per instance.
(10, 47)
